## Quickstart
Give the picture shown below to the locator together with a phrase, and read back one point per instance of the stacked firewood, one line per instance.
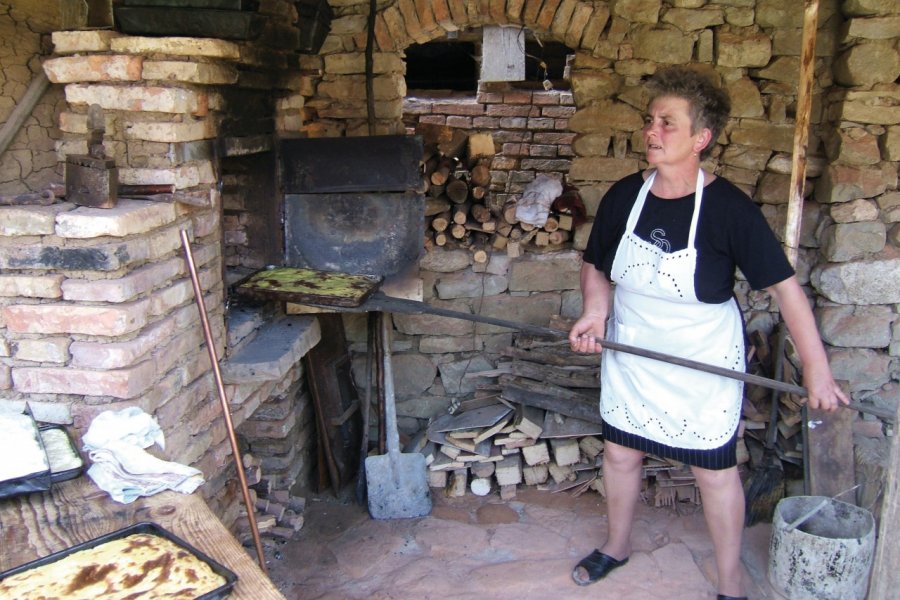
(278, 513)
(461, 211)
(757, 404)
(538, 425)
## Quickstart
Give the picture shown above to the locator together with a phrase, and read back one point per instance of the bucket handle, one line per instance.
(803, 518)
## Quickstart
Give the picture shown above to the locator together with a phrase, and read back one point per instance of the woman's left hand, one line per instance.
(823, 391)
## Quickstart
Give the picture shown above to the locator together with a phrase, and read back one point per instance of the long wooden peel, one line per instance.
(220, 387)
(379, 301)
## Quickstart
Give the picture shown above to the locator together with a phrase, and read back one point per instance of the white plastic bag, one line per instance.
(534, 205)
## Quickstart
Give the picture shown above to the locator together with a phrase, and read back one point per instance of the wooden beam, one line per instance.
(23, 109)
(885, 578)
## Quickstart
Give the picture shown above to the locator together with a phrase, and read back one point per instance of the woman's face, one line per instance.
(667, 133)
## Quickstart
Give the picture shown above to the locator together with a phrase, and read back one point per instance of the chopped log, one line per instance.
(480, 255)
(478, 192)
(457, 190)
(434, 191)
(436, 206)
(542, 238)
(529, 421)
(499, 241)
(483, 469)
(590, 446)
(441, 174)
(458, 481)
(565, 451)
(481, 174)
(509, 471)
(437, 479)
(552, 224)
(555, 238)
(536, 475)
(440, 238)
(565, 222)
(454, 146)
(480, 145)
(508, 492)
(460, 213)
(514, 248)
(441, 221)
(481, 213)
(458, 231)
(509, 212)
(561, 473)
(538, 454)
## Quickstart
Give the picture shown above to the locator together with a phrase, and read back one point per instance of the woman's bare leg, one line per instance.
(622, 481)
(723, 506)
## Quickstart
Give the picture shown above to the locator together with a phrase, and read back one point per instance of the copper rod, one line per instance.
(220, 387)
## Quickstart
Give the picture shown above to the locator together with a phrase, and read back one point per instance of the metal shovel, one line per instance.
(397, 483)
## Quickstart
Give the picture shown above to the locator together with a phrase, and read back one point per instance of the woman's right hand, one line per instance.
(587, 333)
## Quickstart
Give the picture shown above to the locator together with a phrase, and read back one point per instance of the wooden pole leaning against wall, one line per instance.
(226, 411)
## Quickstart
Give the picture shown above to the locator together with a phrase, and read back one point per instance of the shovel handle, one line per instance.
(380, 301)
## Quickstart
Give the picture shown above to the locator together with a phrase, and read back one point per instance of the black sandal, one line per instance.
(597, 566)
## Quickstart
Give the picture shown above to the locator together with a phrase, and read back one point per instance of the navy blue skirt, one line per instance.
(723, 457)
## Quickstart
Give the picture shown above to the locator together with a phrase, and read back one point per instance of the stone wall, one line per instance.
(849, 253)
(30, 162)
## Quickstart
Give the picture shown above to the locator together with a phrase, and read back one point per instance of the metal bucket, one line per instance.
(828, 556)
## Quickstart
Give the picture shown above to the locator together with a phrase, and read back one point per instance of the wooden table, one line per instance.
(75, 511)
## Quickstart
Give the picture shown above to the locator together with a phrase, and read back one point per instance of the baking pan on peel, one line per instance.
(230, 578)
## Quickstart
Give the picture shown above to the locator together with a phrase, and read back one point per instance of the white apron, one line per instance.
(655, 307)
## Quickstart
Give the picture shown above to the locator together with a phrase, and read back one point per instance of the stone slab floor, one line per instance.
(484, 547)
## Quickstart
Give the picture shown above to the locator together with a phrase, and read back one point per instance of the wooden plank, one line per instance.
(830, 461)
(487, 416)
(568, 403)
(561, 426)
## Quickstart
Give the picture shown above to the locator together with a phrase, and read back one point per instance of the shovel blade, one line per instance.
(397, 486)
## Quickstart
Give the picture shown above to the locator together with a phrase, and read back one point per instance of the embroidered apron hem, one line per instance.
(723, 457)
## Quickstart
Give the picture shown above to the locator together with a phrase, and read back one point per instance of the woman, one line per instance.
(670, 238)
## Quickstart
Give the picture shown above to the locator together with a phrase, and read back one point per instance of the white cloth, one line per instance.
(534, 205)
(656, 307)
(115, 442)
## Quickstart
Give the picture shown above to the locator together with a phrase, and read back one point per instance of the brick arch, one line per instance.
(578, 25)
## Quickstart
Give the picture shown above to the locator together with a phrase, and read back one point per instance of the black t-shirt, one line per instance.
(731, 232)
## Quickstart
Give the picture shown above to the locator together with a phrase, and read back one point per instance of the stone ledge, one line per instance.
(275, 349)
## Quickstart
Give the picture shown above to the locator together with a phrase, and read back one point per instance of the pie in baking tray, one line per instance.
(140, 565)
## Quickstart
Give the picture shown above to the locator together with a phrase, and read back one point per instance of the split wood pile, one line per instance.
(279, 514)
(461, 211)
(539, 425)
(758, 401)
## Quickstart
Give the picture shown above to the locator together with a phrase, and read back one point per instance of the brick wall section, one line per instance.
(530, 131)
(97, 310)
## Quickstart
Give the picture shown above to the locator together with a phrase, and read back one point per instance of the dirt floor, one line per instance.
(485, 547)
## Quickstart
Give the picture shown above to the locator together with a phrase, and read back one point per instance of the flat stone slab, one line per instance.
(276, 348)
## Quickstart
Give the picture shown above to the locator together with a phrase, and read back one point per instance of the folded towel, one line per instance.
(115, 443)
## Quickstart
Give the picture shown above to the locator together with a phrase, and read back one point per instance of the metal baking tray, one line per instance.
(31, 482)
(145, 527)
(64, 475)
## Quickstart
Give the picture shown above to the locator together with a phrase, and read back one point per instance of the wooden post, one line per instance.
(801, 129)
(885, 578)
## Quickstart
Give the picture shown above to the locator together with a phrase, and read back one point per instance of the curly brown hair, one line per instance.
(709, 103)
